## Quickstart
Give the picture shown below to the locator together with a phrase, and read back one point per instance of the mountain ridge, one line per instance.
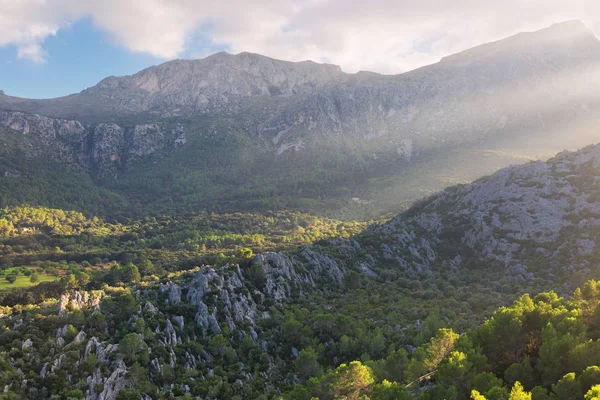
(298, 120)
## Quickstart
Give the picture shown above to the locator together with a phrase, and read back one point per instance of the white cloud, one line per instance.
(387, 36)
(32, 51)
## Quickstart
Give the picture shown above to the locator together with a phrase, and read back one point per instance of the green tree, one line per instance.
(475, 395)
(69, 281)
(352, 380)
(245, 254)
(34, 278)
(130, 273)
(593, 393)
(521, 372)
(455, 370)
(589, 377)
(146, 267)
(439, 346)
(387, 390)
(518, 393)
(568, 387)
(83, 278)
(485, 382)
(352, 280)
(307, 364)
(131, 347)
(11, 278)
(541, 393)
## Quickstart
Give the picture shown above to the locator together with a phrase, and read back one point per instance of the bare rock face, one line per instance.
(101, 149)
(213, 82)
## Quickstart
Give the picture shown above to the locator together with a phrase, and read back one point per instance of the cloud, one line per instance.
(388, 36)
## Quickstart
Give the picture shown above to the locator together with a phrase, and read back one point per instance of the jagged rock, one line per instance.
(364, 268)
(156, 366)
(80, 337)
(26, 344)
(172, 358)
(171, 337)
(102, 352)
(58, 362)
(96, 148)
(60, 332)
(91, 344)
(44, 370)
(190, 361)
(173, 290)
(62, 303)
(253, 335)
(115, 382)
(180, 321)
(78, 301)
(148, 307)
(230, 323)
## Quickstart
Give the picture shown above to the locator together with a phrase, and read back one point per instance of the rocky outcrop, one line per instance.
(102, 351)
(101, 149)
(78, 301)
(173, 290)
(111, 386)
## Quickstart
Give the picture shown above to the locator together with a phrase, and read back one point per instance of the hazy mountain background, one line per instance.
(249, 132)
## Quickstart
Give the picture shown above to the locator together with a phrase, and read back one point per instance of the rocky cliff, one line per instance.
(100, 149)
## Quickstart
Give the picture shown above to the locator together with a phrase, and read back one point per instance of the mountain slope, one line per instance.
(291, 135)
(528, 222)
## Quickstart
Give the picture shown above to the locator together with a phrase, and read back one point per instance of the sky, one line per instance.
(50, 48)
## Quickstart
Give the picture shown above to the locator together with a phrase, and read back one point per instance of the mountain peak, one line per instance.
(215, 80)
(569, 37)
(571, 26)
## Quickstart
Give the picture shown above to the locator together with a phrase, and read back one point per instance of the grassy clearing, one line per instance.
(23, 281)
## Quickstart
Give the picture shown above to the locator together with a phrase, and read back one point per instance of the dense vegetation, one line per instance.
(343, 179)
(148, 284)
(546, 347)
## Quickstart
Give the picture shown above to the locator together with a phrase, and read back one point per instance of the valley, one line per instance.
(239, 227)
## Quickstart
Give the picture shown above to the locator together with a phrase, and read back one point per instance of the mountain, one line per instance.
(294, 134)
(215, 83)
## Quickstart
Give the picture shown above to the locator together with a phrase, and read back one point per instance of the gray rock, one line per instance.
(80, 337)
(173, 290)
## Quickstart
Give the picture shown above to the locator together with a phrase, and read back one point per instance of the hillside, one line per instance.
(233, 327)
(529, 222)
